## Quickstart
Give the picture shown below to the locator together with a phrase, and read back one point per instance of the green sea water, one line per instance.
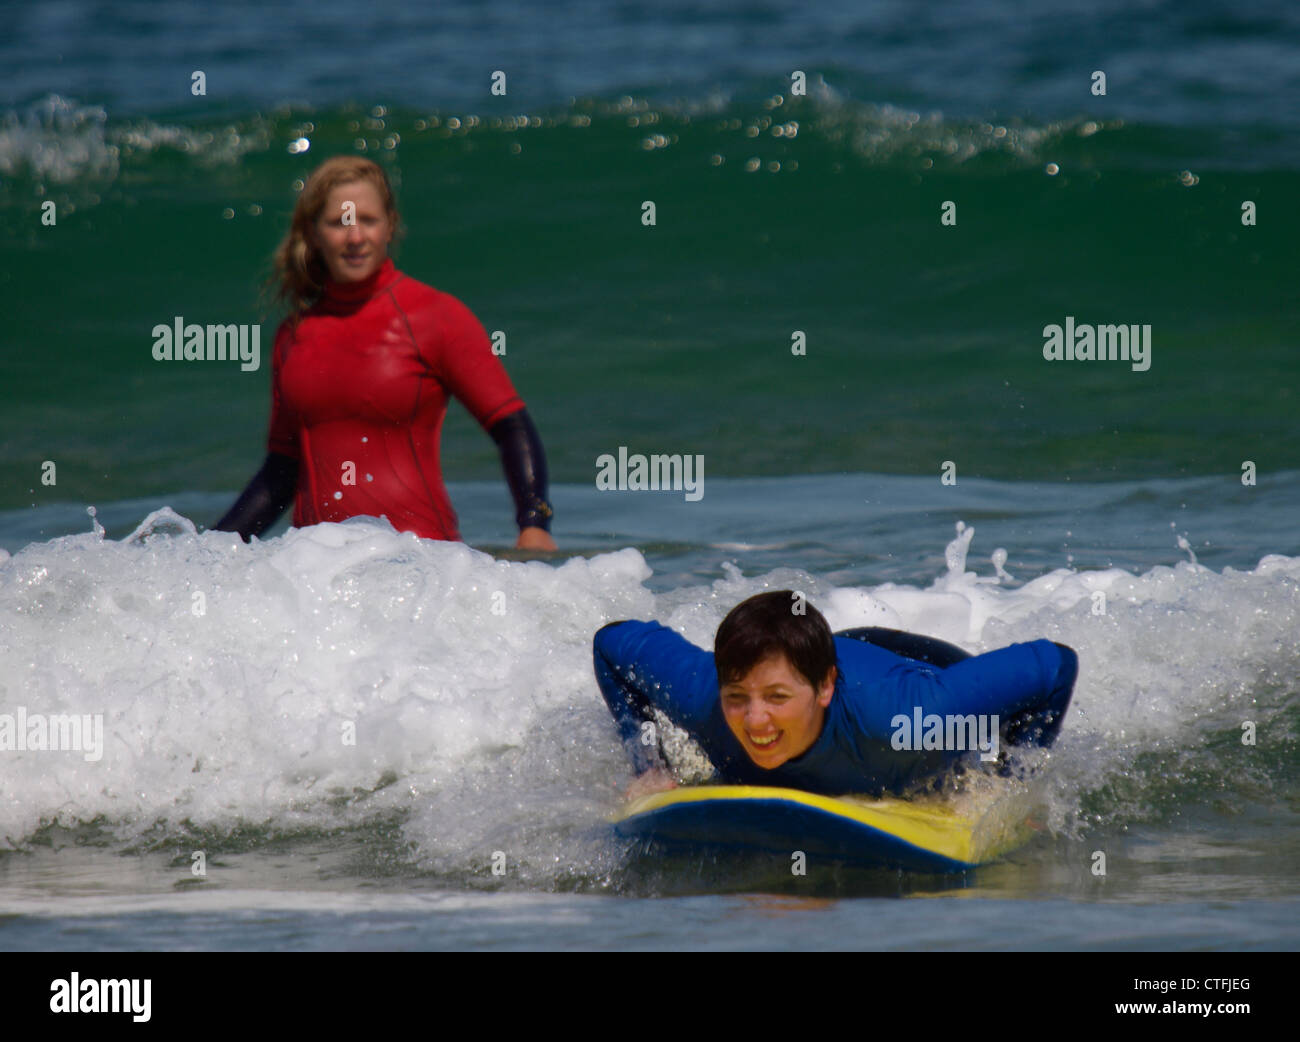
(924, 341)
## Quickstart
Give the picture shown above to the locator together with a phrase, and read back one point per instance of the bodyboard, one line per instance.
(931, 835)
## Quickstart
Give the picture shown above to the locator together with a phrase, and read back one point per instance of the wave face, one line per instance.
(438, 706)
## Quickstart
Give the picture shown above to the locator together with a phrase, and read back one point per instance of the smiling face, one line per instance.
(354, 250)
(774, 712)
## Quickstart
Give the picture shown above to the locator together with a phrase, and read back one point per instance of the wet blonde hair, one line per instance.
(298, 275)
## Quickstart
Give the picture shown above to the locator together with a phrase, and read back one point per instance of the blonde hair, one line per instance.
(298, 275)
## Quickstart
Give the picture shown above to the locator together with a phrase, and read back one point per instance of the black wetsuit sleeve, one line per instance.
(264, 500)
(524, 462)
(910, 645)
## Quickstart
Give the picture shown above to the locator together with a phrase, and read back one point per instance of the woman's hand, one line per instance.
(535, 539)
(657, 779)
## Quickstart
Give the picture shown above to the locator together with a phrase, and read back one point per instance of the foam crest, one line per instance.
(227, 676)
(343, 674)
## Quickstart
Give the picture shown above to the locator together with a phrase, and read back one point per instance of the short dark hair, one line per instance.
(778, 622)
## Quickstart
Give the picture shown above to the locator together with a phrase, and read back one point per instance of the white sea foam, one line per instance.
(227, 674)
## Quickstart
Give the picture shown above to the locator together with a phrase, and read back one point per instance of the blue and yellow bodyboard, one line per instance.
(919, 835)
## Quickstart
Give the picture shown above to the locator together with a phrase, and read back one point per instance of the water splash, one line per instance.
(349, 677)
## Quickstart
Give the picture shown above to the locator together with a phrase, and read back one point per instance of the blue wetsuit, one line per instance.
(643, 665)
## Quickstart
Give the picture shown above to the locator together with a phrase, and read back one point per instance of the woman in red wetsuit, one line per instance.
(362, 371)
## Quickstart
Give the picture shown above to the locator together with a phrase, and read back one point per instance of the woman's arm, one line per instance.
(642, 666)
(264, 500)
(524, 462)
(462, 360)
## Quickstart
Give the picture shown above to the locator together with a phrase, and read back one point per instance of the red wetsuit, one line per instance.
(363, 379)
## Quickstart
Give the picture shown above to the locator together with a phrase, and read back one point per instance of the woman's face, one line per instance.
(774, 712)
(353, 231)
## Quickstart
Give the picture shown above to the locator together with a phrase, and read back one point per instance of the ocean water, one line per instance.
(1165, 495)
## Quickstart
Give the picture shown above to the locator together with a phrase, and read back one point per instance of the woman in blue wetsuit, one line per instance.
(783, 701)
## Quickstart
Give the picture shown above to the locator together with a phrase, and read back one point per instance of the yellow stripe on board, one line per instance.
(937, 827)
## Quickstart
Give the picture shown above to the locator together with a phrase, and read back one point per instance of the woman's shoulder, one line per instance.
(431, 303)
(409, 288)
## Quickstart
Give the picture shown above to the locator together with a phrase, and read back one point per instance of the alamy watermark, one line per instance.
(637, 473)
(954, 732)
(181, 342)
(59, 732)
(1085, 343)
(131, 995)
